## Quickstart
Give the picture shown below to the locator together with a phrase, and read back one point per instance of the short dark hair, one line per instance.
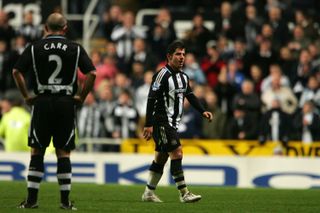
(175, 45)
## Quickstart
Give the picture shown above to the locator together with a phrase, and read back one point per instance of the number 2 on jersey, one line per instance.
(53, 77)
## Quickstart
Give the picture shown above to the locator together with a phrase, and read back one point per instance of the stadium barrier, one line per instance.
(248, 172)
(214, 147)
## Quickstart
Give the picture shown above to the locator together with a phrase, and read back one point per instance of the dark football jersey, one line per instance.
(53, 63)
(169, 89)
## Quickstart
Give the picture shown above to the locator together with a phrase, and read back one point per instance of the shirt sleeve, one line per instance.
(25, 60)
(154, 92)
(85, 63)
(193, 100)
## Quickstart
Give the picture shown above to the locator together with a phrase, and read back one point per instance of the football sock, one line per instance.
(178, 176)
(64, 178)
(35, 174)
(155, 174)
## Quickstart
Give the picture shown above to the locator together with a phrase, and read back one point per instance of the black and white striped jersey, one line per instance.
(90, 123)
(126, 119)
(53, 63)
(166, 97)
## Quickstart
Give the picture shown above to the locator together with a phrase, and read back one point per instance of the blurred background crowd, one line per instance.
(254, 63)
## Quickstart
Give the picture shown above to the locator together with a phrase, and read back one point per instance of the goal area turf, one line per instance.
(127, 198)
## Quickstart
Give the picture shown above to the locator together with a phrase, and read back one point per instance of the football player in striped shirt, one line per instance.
(169, 88)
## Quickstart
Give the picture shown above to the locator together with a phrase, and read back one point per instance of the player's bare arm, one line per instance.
(88, 85)
(21, 84)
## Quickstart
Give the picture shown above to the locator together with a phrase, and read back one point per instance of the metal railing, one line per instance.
(90, 21)
(91, 142)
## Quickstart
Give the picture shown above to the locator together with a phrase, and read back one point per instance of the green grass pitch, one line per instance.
(121, 198)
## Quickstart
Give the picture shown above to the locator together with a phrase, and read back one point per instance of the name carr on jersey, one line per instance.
(49, 46)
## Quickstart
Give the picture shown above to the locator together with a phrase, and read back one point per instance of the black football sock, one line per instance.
(155, 174)
(34, 178)
(64, 178)
(178, 176)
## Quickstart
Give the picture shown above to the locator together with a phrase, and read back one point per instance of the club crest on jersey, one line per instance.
(155, 86)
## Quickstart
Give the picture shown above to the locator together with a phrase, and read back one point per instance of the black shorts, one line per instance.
(53, 117)
(166, 138)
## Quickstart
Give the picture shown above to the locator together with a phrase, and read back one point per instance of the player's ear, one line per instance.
(65, 28)
(168, 56)
(46, 28)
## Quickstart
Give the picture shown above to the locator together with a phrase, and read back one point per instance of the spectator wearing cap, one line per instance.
(14, 123)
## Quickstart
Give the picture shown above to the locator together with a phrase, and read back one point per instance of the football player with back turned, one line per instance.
(52, 64)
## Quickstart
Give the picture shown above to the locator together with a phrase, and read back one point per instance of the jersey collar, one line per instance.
(55, 36)
(171, 69)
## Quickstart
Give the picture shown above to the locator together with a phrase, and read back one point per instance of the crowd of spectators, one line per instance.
(257, 70)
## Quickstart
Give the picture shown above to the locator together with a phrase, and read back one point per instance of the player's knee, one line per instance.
(62, 153)
(177, 153)
(156, 167)
(37, 151)
(176, 167)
